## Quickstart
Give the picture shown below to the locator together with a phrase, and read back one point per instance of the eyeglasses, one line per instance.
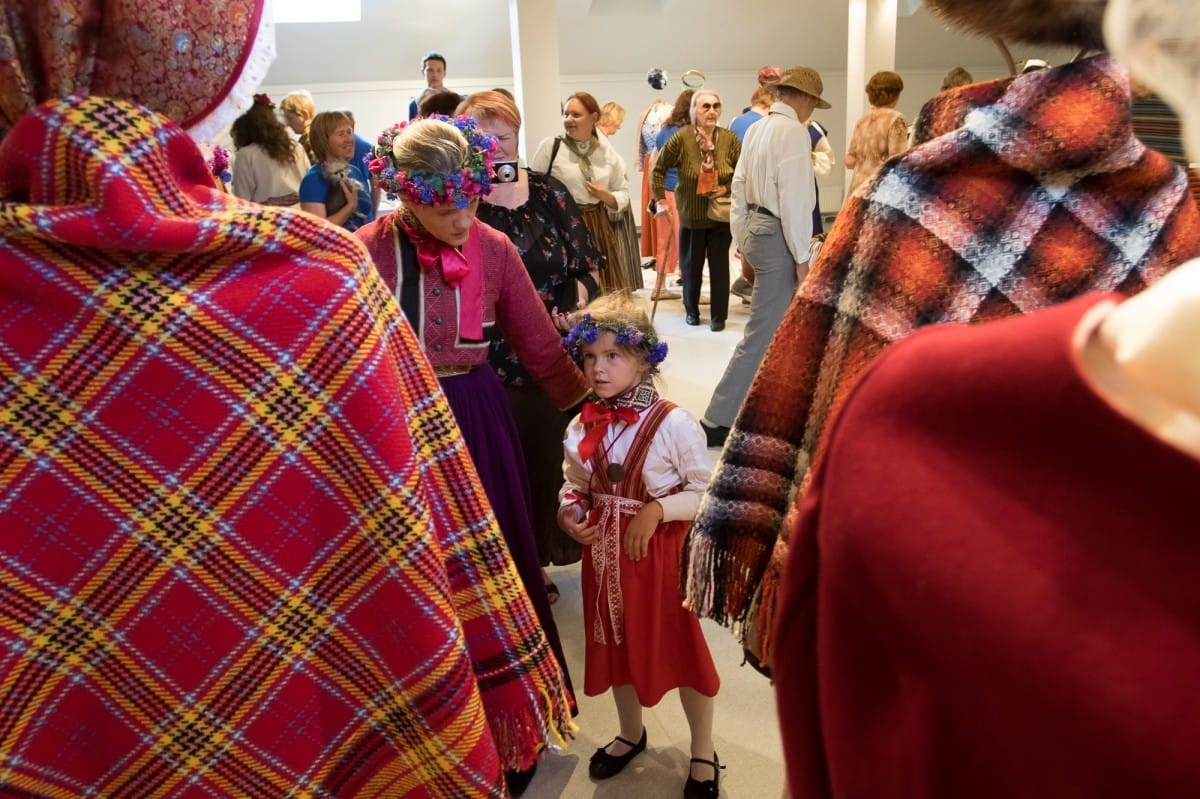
(710, 106)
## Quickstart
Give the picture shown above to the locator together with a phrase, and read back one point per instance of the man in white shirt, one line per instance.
(772, 223)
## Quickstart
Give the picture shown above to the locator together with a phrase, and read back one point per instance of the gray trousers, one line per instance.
(774, 287)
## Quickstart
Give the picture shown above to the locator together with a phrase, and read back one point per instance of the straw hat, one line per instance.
(807, 80)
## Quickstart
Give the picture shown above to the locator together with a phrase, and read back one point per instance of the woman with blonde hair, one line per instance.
(298, 111)
(460, 281)
(880, 133)
(612, 117)
(335, 187)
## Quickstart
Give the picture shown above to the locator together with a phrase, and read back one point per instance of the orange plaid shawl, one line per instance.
(1029, 192)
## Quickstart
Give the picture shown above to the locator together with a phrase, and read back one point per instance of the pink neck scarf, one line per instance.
(462, 270)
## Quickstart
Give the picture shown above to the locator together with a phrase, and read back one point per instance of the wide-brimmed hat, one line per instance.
(1073, 23)
(807, 80)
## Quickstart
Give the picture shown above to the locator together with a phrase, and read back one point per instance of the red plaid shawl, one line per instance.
(244, 550)
(1035, 192)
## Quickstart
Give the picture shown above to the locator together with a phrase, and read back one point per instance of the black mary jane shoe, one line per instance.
(704, 789)
(603, 765)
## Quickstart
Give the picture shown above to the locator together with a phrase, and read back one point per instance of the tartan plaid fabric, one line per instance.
(244, 550)
(1035, 192)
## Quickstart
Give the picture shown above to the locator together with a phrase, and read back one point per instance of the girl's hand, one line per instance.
(573, 521)
(641, 527)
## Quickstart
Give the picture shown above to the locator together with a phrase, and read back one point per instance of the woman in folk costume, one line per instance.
(635, 466)
(1028, 627)
(461, 283)
(592, 170)
(1019, 194)
(244, 551)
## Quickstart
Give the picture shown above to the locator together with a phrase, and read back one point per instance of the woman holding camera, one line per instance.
(594, 173)
(541, 219)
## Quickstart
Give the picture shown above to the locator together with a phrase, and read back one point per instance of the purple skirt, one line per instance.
(483, 414)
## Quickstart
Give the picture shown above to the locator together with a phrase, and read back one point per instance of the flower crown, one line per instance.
(457, 188)
(587, 330)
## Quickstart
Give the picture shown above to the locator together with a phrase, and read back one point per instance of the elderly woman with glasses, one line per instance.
(705, 156)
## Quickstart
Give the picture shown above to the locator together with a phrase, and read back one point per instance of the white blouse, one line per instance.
(607, 167)
(677, 456)
(258, 177)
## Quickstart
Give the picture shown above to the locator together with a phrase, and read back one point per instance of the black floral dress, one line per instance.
(557, 250)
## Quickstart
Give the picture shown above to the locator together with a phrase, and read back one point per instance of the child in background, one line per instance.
(635, 467)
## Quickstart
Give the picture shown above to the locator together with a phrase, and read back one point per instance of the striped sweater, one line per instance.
(682, 152)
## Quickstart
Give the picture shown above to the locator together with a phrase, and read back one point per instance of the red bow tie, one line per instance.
(602, 416)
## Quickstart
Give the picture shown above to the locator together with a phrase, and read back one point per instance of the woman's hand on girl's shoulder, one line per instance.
(561, 320)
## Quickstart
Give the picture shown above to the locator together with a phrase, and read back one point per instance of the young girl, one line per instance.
(636, 466)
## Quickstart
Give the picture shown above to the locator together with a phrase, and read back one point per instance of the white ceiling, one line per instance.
(605, 37)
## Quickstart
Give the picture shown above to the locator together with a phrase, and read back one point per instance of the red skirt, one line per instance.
(661, 645)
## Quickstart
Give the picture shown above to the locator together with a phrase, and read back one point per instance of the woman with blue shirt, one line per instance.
(331, 136)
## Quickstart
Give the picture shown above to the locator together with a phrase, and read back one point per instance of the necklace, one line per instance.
(615, 471)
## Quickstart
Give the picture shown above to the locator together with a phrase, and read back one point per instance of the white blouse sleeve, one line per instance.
(618, 181)
(576, 474)
(678, 456)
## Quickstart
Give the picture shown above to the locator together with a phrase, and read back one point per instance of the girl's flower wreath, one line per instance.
(587, 330)
(474, 179)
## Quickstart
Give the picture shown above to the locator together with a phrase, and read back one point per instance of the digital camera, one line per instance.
(506, 171)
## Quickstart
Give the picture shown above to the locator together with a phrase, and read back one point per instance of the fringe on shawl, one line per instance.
(521, 737)
(720, 581)
(729, 546)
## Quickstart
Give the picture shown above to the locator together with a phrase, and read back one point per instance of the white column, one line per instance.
(536, 75)
(870, 47)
